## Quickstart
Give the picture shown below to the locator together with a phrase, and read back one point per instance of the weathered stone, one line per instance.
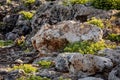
(13, 75)
(90, 78)
(113, 54)
(52, 13)
(11, 36)
(115, 73)
(54, 37)
(85, 65)
(48, 73)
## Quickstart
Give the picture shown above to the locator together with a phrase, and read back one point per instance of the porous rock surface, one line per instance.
(90, 78)
(83, 64)
(115, 73)
(54, 37)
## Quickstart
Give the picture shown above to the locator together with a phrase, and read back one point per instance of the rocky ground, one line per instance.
(35, 39)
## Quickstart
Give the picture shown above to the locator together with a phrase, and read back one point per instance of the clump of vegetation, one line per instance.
(26, 67)
(67, 2)
(28, 2)
(114, 37)
(27, 15)
(33, 78)
(6, 43)
(97, 22)
(61, 78)
(45, 63)
(106, 4)
(87, 47)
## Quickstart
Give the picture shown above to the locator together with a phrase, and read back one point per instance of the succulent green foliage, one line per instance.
(114, 37)
(28, 2)
(33, 78)
(26, 14)
(6, 43)
(45, 63)
(97, 22)
(26, 67)
(106, 4)
(67, 2)
(87, 47)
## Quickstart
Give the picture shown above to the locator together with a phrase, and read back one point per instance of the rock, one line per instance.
(85, 65)
(113, 54)
(13, 75)
(52, 13)
(10, 22)
(115, 73)
(48, 73)
(90, 78)
(11, 36)
(61, 62)
(51, 38)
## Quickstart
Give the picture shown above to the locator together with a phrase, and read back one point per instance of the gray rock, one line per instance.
(53, 13)
(12, 36)
(13, 75)
(113, 54)
(90, 78)
(115, 73)
(81, 65)
(48, 73)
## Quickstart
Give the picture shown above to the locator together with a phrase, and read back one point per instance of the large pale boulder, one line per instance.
(54, 37)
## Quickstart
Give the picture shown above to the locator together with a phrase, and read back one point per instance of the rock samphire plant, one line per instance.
(26, 14)
(87, 47)
(26, 67)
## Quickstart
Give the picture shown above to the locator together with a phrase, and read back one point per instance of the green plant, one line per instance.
(97, 22)
(61, 78)
(67, 2)
(114, 37)
(45, 63)
(28, 2)
(26, 67)
(87, 47)
(33, 78)
(106, 4)
(26, 14)
(6, 43)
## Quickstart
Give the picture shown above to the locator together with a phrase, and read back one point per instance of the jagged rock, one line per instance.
(85, 65)
(11, 36)
(10, 22)
(115, 73)
(90, 78)
(52, 13)
(113, 54)
(13, 75)
(51, 38)
(48, 73)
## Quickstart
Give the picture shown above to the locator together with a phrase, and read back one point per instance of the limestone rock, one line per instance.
(115, 73)
(54, 37)
(90, 78)
(13, 75)
(113, 54)
(85, 65)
